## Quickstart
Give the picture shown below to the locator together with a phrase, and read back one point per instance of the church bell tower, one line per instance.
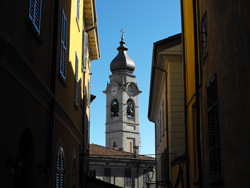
(122, 105)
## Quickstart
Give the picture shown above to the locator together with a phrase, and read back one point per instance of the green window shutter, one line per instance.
(35, 9)
(60, 168)
(78, 9)
(213, 129)
(63, 46)
(85, 47)
(76, 79)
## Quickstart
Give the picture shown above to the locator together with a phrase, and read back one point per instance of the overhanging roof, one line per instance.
(162, 50)
(90, 18)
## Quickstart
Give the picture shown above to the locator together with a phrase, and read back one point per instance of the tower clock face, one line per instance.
(132, 90)
(113, 90)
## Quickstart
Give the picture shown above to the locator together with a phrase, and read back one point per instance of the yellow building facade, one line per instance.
(46, 53)
(217, 102)
(166, 110)
(192, 171)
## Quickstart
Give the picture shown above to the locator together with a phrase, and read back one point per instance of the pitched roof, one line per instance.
(104, 152)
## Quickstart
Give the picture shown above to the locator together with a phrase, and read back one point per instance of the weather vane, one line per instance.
(122, 34)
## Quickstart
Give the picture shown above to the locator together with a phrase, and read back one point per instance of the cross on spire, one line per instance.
(122, 34)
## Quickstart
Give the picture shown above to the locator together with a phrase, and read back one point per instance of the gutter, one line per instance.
(185, 99)
(197, 89)
(52, 86)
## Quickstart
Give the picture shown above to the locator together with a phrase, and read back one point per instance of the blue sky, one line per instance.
(144, 22)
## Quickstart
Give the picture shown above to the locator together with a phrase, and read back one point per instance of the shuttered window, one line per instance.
(213, 129)
(60, 168)
(76, 79)
(63, 47)
(85, 47)
(127, 178)
(35, 9)
(78, 9)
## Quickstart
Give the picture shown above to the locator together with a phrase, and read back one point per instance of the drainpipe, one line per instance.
(52, 85)
(185, 99)
(197, 89)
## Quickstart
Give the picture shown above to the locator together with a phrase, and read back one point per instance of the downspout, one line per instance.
(52, 86)
(185, 99)
(197, 89)
(138, 164)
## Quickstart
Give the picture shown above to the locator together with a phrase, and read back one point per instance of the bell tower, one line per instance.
(122, 103)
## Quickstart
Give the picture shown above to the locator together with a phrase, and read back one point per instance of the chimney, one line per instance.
(136, 151)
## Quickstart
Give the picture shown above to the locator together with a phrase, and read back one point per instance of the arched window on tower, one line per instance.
(130, 108)
(114, 108)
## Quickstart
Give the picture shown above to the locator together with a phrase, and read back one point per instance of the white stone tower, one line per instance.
(122, 109)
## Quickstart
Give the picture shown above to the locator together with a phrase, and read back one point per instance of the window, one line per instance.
(127, 178)
(213, 129)
(145, 178)
(107, 175)
(130, 145)
(85, 49)
(63, 47)
(130, 108)
(115, 108)
(60, 168)
(88, 94)
(76, 79)
(35, 9)
(74, 173)
(78, 10)
(203, 37)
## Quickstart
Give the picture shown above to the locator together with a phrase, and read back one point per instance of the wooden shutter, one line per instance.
(76, 79)
(35, 9)
(63, 47)
(213, 129)
(78, 9)
(85, 47)
(60, 168)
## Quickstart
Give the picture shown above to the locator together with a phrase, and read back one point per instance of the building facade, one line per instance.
(122, 103)
(166, 109)
(46, 53)
(120, 168)
(215, 51)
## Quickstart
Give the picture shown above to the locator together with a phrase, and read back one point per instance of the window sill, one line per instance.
(33, 32)
(62, 80)
(76, 106)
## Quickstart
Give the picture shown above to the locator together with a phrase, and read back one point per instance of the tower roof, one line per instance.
(122, 62)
